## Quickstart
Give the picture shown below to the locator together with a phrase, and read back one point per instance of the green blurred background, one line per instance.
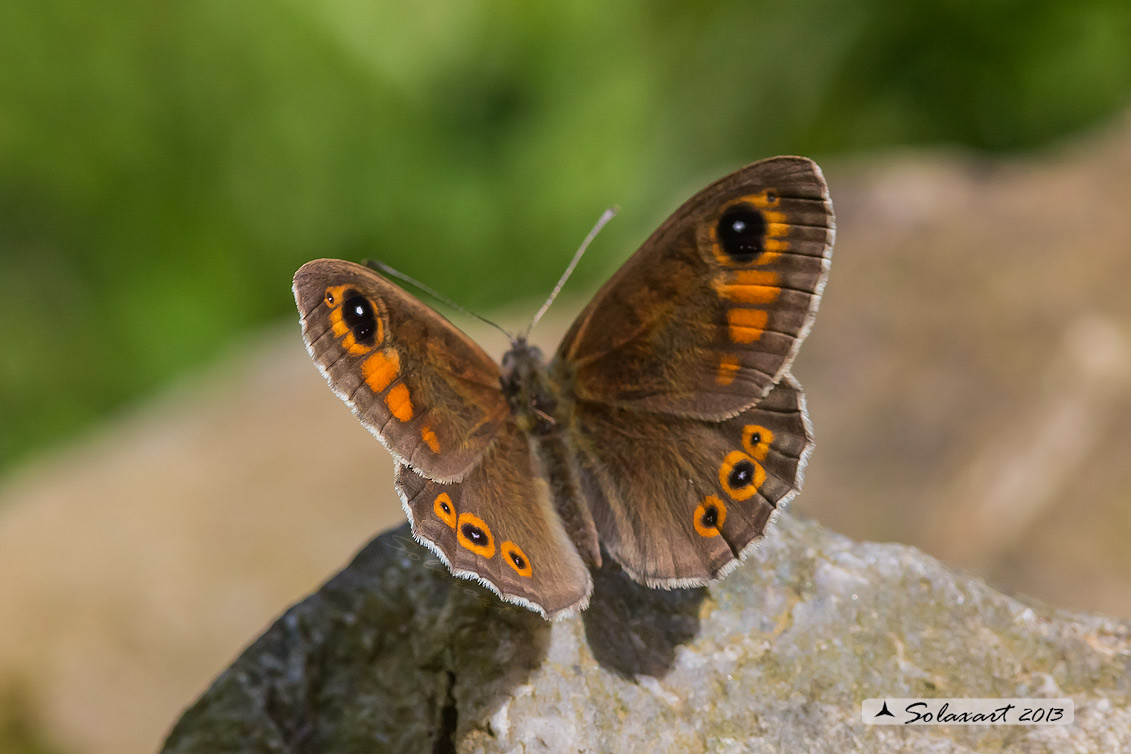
(165, 167)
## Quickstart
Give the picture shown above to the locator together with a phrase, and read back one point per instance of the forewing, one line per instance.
(497, 526)
(418, 383)
(710, 311)
(679, 501)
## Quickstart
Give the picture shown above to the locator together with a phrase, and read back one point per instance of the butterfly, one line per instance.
(663, 433)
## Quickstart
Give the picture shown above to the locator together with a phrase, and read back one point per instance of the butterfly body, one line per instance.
(533, 397)
(541, 408)
(664, 432)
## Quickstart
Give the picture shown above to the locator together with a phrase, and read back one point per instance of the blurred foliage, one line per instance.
(164, 168)
(21, 730)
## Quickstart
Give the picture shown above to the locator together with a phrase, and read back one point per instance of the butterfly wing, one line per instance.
(677, 500)
(433, 397)
(710, 311)
(498, 527)
(418, 383)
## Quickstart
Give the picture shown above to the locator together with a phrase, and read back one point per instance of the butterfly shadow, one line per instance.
(633, 630)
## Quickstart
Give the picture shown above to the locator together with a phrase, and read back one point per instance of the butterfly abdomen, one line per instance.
(553, 459)
(541, 411)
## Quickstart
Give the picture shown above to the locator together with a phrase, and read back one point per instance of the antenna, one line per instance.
(607, 215)
(392, 272)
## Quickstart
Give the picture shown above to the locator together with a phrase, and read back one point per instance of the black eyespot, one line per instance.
(518, 560)
(710, 517)
(358, 315)
(742, 233)
(474, 534)
(741, 475)
(330, 300)
(445, 507)
(755, 438)
(771, 197)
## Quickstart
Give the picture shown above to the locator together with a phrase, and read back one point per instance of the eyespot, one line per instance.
(741, 233)
(358, 315)
(740, 475)
(516, 559)
(474, 534)
(709, 516)
(756, 440)
(444, 509)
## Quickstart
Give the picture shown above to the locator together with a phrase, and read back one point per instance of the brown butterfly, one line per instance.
(665, 431)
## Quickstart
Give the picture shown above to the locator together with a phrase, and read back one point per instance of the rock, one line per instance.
(393, 654)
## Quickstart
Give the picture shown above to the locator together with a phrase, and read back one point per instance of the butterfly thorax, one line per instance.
(532, 396)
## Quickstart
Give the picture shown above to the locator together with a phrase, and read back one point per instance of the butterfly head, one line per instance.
(527, 387)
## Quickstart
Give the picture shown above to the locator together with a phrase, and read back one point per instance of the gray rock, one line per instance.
(393, 654)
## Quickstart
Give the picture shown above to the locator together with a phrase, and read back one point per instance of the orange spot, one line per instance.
(776, 230)
(473, 534)
(340, 328)
(444, 509)
(776, 224)
(355, 348)
(516, 559)
(756, 439)
(429, 438)
(757, 475)
(380, 369)
(749, 286)
(398, 401)
(334, 295)
(711, 507)
(728, 367)
(746, 325)
(764, 199)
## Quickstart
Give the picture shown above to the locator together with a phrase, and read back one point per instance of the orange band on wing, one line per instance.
(340, 328)
(399, 402)
(777, 228)
(728, 368)
(746, 325)
(429, 438)
(749, 286)
(776, 224)
(355, 348)
(763, 199)
(380, 369)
